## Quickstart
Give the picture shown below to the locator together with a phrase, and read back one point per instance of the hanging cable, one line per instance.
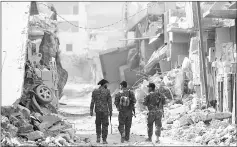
(102, 26)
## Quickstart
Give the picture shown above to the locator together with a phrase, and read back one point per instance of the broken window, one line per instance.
(69, 47)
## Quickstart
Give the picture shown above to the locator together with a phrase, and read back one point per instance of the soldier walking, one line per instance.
(124, 102)
(154, 102)
(102, 101)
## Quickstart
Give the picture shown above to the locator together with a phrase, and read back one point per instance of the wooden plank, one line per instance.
(222, 96)
(166, 22)
(179, 30)
(201, 48)
(121, 70)
(228, 14)
(229, 93)
(142, 38)
(219, 97)
(235, 99)
(218, 116)
(234, 102)
(233, 6)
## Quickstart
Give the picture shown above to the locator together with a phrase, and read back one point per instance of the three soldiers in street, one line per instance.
(125, 101)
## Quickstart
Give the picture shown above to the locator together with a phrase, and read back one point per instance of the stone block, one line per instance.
(35, 135)
(48, 121)
(26, 128)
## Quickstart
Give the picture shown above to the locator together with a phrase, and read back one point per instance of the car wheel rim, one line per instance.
(45, 93)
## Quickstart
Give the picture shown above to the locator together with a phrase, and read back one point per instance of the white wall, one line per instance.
(79, 41)
(14, 28)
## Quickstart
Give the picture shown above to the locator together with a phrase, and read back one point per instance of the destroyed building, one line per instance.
(33, 119)
(168, 52)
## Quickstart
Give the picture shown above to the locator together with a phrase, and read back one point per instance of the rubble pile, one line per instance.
(22, 127)
(172, 84)
(187, 122)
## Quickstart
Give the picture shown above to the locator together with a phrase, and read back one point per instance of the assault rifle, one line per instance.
(111, 129)
(133, 109)
(134, 113)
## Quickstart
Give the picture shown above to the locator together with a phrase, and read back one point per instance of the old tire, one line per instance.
(44, 94)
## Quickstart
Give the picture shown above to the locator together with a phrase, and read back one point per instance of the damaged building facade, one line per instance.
(193, 65)
(167, 38)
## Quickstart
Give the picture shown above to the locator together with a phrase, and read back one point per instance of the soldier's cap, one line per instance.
(152, 85)
(102, 82)
(123, 83)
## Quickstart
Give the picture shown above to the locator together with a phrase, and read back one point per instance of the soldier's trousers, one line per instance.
(125, 122)
(102, 119)
(154, 117)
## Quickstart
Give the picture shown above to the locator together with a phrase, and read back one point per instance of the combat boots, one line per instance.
(157, 140)
(149, 139)
(127, 135)
(122, 137)
(98, 139)
(104, 141)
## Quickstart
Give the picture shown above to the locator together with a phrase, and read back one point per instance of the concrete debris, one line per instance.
(204, 127)
(35, 135)
(185, 118)
(26, 128)
(16, 126)
(48, 121)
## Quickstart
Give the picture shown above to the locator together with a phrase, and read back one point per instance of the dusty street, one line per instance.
(77, 112)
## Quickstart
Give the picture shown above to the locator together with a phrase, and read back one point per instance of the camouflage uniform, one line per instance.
(102, 100)
(154, 102)
(125, 113)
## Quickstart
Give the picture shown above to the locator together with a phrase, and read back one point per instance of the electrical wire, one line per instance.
(121, 20)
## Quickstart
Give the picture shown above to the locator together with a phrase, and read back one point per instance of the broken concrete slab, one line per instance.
(26, 128)
(185, 120)
(48, 121)
(7, 111)
(218, 116)
(25, 111)
(65, 136)
(4, 122)
(13, 120)
(35, 135)
(12, 130)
